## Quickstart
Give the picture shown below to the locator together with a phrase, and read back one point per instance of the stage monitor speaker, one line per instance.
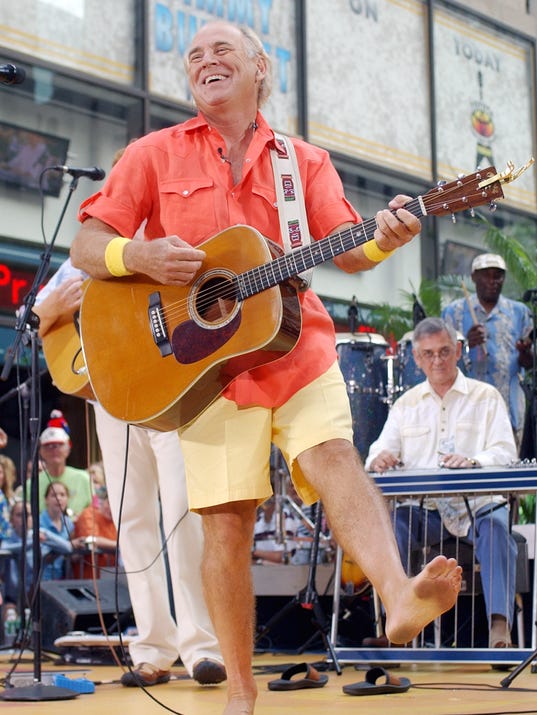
(74, 605)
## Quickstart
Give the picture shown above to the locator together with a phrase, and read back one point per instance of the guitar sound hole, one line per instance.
(216, 300)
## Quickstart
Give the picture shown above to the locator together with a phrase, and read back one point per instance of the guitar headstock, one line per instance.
(467, 192)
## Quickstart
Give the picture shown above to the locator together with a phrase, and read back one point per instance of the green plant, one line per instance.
(526, 509)
(517, 247)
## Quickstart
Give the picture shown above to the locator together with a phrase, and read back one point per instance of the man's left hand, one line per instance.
(457, 461)
(396, 229)
(525, 353)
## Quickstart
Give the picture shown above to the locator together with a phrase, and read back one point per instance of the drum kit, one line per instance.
(376, 375)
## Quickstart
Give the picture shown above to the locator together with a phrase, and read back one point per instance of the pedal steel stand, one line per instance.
(308, 598)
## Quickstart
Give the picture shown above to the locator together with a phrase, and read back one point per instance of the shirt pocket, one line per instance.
(415, 443)
(415, 431)
(266, 193)
(467, 440)
(263, 210)
(187, 208)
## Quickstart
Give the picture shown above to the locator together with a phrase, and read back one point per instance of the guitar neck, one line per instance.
(482, 187)
(302, 259)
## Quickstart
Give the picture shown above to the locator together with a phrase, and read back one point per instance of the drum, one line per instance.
(407, 373)
(364, 364)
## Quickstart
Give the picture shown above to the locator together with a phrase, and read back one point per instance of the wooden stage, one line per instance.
(436, 690)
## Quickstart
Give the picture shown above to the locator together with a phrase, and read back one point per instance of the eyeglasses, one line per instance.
(442, 354)
(53, 445)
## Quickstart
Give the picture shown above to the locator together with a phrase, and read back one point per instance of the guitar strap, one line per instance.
(290, 197)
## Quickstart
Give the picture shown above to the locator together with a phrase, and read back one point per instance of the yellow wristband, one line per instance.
(374, 253)
(113, 256)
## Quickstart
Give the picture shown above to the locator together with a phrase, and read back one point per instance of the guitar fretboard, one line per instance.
(302, 259)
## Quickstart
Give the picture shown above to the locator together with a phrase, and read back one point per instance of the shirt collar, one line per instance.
(460, 385)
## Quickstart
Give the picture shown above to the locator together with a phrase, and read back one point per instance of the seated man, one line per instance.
(453, 421)
(274, 541)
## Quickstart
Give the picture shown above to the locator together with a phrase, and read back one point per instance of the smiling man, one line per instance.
(190, 182)
(455, 422)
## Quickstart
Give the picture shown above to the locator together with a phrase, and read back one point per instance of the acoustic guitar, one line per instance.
(62, 349)
(159, 355)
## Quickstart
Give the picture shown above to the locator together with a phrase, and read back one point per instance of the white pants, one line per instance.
(155, 465)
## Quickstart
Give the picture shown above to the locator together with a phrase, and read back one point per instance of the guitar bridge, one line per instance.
(156, 323)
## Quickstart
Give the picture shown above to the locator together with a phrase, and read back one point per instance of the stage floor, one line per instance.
(436, 690)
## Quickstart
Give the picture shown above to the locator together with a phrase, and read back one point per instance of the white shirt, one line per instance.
(471, 420)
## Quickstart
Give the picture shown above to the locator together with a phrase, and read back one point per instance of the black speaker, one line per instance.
(74, 605)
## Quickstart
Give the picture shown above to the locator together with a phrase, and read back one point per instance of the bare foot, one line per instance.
(429, 594)
(239, 706)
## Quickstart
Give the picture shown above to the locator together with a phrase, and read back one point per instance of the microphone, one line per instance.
(222, 155)
(93, 173)
(9, 74)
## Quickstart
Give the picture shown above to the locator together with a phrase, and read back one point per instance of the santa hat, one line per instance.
(58, 420)
(57, 429)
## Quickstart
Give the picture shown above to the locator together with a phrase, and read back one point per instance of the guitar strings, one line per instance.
(265, 275)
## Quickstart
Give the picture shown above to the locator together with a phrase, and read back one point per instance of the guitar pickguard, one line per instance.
(192, 342)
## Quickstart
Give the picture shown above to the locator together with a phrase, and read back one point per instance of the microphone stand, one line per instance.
(529, 296)
(352, 315)
(26, 326)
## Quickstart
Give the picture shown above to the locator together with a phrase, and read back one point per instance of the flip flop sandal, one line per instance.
(391, 684)
(312, 679)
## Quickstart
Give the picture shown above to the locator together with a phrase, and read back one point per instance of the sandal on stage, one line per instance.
(312, 679)
(369, 686)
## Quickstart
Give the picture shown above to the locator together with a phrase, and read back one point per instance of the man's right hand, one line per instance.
(383, 461)
(476, 335)
(168, 260)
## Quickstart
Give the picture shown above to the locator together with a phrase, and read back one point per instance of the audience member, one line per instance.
(3, 439)
(5, 526)
(95, 534)
(54, 519)
(455, 422)
(97, 477)
(54, 449)
(274, 539)
(298, 401)
(22, 529)
(8, 477)
(497, 330)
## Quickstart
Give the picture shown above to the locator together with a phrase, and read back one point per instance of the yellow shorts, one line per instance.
(227, 449)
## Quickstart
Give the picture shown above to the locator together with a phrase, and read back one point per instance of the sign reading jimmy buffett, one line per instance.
(368, 82)
(484, 100)
(173, 24)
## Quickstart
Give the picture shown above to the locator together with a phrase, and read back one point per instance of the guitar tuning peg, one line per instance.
(493, 206)
(461, 176)
(441, 182)
(472, 212)
(453, 218)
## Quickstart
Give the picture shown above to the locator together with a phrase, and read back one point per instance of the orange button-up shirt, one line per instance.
(175, 178)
